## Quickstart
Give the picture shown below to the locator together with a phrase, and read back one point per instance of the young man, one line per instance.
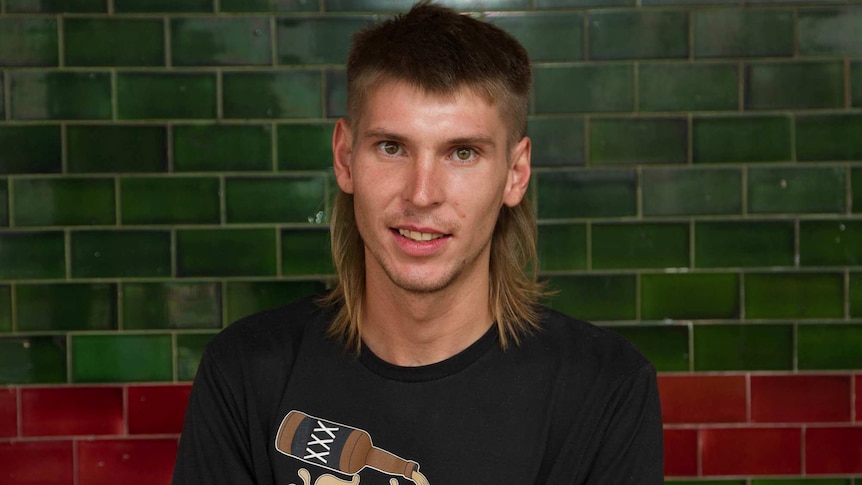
(431, 361)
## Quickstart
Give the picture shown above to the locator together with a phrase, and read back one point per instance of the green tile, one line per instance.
(166, 95)
(743, 347)
(221, 41)
(794, 85)
(638, 140)
(70, 201)
(638, 35)
(316, 40)
(121, 358)
(737, 32)
(31, 255)
(557, 141)
(695, 296)
(171, 305)
(583, 3)
(796, 190)
(104, 254)
(855, 295)
(706, 482)
(621, 246)
(548, 37)
(665, 346)
(269, 6)
(804, 481)
(856, 83)
(829, 346)
(830, 31)
(584, 88)
(305, 252)
(226, 252)
(676, 192)
(830, 243)
(687, 87)
(731, 244)
(39, 95)
(306, 146)
(158, 6)
(398, 5)
(595, 297)
(794, 295)
(741, 139)
(829, 137)
(5, 308)
(33, 360)
(2, 98)
(4, 202)
(856, 182)
(562, 247)
(116, 149)
(67, 306)
(205, 148)
(190, 347)
(57, 6)
(587, 193)
(30, 149)
(247, 297)
(28, 41)
(336, 93)
(650, 3)
(114, 42)
(288, 94)
(160, 200)
(274, 199)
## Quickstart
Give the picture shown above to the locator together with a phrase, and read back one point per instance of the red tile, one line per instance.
(833, 450)
(800, 398)
(68, 411)
(130, 462)
(751, 451)
(858, 398)
(702, 398)
(157, 409)
(8, 412)
(680, 452)
(37, 462)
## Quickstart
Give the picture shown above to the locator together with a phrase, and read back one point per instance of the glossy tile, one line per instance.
(269, 5)
(305, 252)
(828, 137)
(585, 88)
(680, 452)
(674, 192)
(856, 302)
(830, 31)
(736, 32)
(794, 295)
(830, 243)
(557, 141)
(113, 42)
(190, 346)
(284, 94)
(42, 462)
(121, 358)
(63, 201)
(5, 308)
(69, 411)
(8, 413)
(856, 83)
(316, 40)
(732, 347)
(274, 199)
(128, 461)
(113, 253)
(226, 252)
(67, 306)
(562, 247)
(175, 200)
(743, 244)
(28, 41)
(829, 346)
(638, 35)
(247, 297)
(2, 97)
(689, 296)
(305, 146)
(638, 140)
(548, 37)
(32, 255)
(833, 450)
(687, 87)
(221, 41)
(741, 139)
(800, 398)
(796, 190)
(33, 360)
(594, 297)
(30, 149)
(666, 346)
(703, 398)
(171, 305)
(116, 148)
(57, 6)
(159, 6)
(157, 409)
(336, 93)
(794, 85)
(49, 95)
(621, 246)
(205, 148)
(587, 193)
(856, 195)
(160, 95)
(751, 451)
(398, 5)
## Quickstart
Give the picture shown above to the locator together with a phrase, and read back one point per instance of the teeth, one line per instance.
(418, 236)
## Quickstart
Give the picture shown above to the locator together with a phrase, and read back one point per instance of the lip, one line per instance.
(419, 248)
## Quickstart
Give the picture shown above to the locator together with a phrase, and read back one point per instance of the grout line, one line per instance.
(636, 76)
(219, 75)
(742, 310)
(120, 290)
(169, 136)
(223, 304)
(797, 250)
(274, 145)
(125, 389)
(13, 303)
(111, 9)
(586, 35)
(748, 397)
(222, 200)
(691, 243)
(278, 257)
(75, 470)
(19, 414)
(589, 236)
(740, 86)
(64, 149)
(639, 193)
(166, 29)
(67, 248)
(689, 139)
(273, 41)
(61, 46)
(846, 291)
(7, 95)
(118, 202)
(743, 180)
(173, 252)
(115, 97)
(10, 200)
(848, 97)
(795, 33)
(795, 347)
(175, 357)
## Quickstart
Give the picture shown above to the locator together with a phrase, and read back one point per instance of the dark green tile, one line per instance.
(274, 199)
(856, 83)
(796, 190)
(171, 305)
(688, 87)
(731, 244)
(289, 94)
(548, 37)
(856, 182)
(736, 32)
(116, 149)
(804, 481)
(305, 252)
(5, 308)
(621, 246)
(743, 347)
(830, 31)
(30, 149)
(226, 252)
(103, 254)
(269, 6)
(2, 98)
(38, 95)
(28, 41)
(650, 3)
(398, 5)
(316, 40)
(595, 297)
(855, 295)
(158, 6)
(57, 6)
(204, 148)
(583, 3)
(305, 146)
(665, 346)
(562, 247)
(584, 88)
(67, 306)
(587, 193)
(221, 41)
(829, 137)
(830, 243)
(557, 141)
(180, 200)
(114, 42)
(741, 139)
(336, 93)
(794, 85)
(190, 347)
(70, 201)
(695, 296)
(706, 482)
(166, 95)
(33, 360)
(794, 295)
(247, 297)
(676, 192)
(4, 202)
(638, 35)
(31, 255)
(640, 140)
(829, 346)
(121, 358)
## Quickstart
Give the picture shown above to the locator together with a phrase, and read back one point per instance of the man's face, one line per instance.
(429, 175)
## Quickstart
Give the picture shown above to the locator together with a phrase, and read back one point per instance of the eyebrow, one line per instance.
(466, 140)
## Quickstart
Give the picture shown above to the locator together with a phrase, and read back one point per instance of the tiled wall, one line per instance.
(698, 176)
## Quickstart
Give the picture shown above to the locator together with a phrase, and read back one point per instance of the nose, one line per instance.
(424, 184)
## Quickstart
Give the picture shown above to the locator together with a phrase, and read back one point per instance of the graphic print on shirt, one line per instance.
(339, 448)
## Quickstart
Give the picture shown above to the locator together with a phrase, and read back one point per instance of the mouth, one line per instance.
(419, 236)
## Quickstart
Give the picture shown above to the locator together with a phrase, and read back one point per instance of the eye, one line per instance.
(464, 154)
(389, 148)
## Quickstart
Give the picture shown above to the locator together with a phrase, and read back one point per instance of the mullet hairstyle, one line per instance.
(440, 51)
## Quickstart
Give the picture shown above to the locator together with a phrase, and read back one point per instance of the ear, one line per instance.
(342, 151)
(519, 173)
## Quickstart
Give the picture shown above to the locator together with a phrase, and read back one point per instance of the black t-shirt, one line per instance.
(276, 402)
